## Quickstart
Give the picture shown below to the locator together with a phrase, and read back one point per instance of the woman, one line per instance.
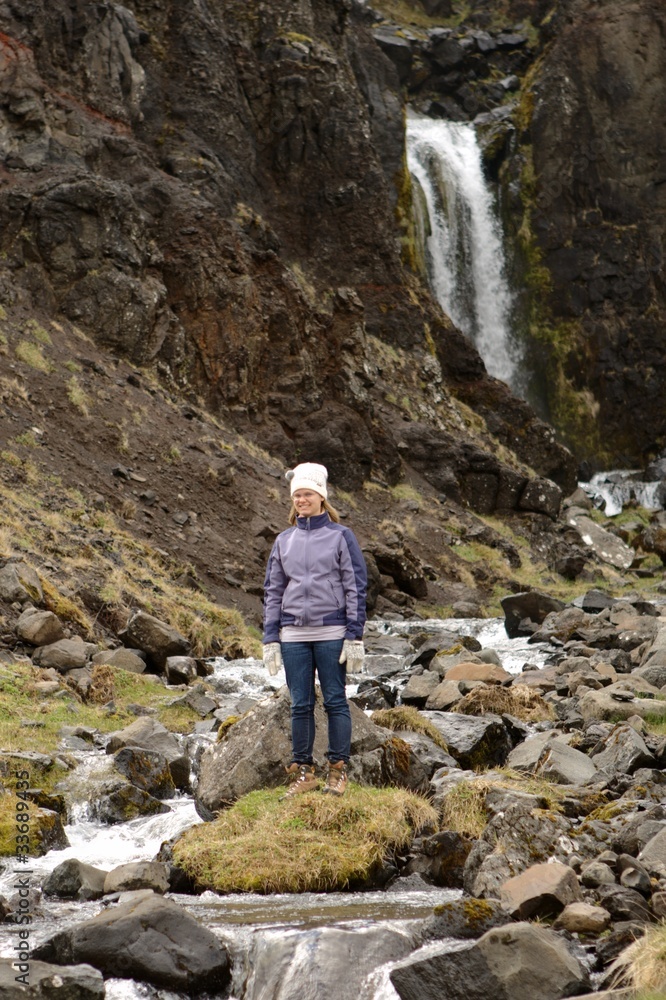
(314, 613)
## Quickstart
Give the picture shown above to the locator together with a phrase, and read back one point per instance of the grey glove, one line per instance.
(352, 654)
(273, 657)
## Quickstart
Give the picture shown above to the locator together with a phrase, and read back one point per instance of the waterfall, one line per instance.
(463, 241)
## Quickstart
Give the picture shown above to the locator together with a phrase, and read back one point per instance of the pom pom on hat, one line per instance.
(308, 476)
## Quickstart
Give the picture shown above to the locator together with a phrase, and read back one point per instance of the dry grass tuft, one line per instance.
(518, 700)
(102, 688)
(642, 966)
(409, 718)
(463, 808)
(312, 843)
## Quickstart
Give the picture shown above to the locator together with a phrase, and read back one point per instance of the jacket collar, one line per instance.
(318, 521)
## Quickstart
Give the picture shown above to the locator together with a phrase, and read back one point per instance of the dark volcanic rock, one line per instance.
(150, 939)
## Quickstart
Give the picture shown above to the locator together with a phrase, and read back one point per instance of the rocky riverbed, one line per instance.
(541, 759)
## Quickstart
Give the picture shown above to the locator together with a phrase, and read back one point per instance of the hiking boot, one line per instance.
(302, 778)
(336, 778)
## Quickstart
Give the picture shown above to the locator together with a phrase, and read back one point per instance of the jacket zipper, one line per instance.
(306, 616)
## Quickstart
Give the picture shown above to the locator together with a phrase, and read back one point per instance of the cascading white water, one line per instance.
(463, 239)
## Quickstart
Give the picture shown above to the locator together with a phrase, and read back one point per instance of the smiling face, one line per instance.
(307, 503)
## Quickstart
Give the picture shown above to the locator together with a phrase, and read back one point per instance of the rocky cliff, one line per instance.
(219, 191)
(591, 219)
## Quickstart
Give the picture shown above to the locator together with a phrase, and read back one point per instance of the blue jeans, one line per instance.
(301, 659)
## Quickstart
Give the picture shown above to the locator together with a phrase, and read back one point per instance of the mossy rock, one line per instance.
(310, 843)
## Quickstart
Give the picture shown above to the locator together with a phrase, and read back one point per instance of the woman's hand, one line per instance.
(353, 654)
(273, 657)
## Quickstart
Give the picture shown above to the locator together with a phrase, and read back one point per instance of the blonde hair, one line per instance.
(327, 508)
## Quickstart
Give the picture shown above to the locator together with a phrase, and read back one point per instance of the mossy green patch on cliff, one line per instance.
(310, 843)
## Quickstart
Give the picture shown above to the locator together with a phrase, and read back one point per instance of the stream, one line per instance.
(279, 944)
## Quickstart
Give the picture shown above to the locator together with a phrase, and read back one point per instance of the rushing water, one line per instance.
(463, 238)
(612, 491)
(280, 944)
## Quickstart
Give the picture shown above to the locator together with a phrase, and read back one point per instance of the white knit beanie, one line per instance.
(308, 476)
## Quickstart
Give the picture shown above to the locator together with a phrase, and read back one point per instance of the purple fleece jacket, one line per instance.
(316, 575)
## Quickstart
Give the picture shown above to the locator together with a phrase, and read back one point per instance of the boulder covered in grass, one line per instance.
(309, 843)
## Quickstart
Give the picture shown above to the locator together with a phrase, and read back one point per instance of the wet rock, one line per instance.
(51, 982)
(124, 659)
(465, 919)
(582, 918)
(20, 582)
(334, 957)
(155, 638)
(531, 605)
(540, 891)
(151, 735)
(39, 628)
(120, 802)
(198, 700)
(150, 939)
(441, 859)
(473, 741)
(180, 669)
(146, 769)
(516, 962)
(138, 875)
(75, 880)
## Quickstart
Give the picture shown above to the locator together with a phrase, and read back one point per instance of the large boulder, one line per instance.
(147, 938)
(151, 735)
(516, 962)
(155, 638)
(64, 655)
(255, 750)
(42, 981)
(333, 957)
(473, 741)
(605, 545)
